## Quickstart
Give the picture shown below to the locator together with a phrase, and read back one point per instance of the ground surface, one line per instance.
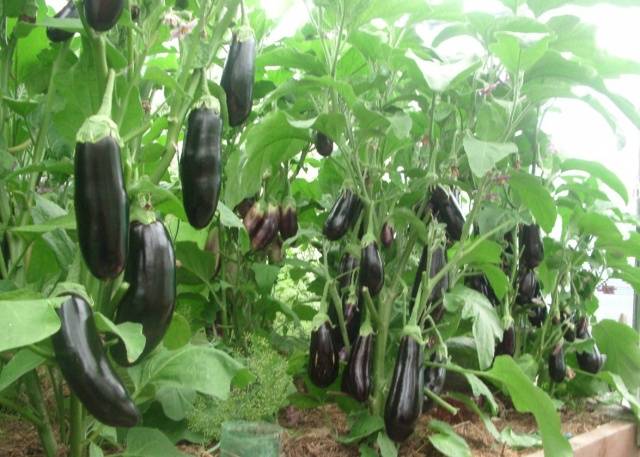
(311, 433)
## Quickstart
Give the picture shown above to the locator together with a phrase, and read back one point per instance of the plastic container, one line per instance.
(250, 439)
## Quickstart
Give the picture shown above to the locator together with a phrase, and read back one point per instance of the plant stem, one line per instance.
(335, 297)
(443, 404)
(24, 412)
(76, 439)
(45, 432)
(107, 98)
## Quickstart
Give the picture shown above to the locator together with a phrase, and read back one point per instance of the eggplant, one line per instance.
(323, 357)
(404, 401)
(348, 266)
(151, 297)
(238, 75)
(568, 327)
(343, 215)
(352, 313)
(532, 247)
(387, 235)
(589, 361)
(102, 15)
(557, 365)
(254, 218)
(371, 269)
(446, 209)
(268, 230)
(288, 224)
(323, 144)
(528, 287)
(434, 379)
(538, 314)
(56, 35)
(507, 346)
(86, 368)
(356, 379)
(244, 206)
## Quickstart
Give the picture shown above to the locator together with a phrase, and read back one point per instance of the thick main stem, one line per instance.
(76, 439)
(45, 432)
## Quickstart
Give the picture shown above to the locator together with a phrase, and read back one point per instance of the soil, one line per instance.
(312, 433)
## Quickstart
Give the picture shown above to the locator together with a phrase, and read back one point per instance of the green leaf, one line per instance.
(479, 388)
(266, 275)
(178, 334)
(536, 197)
(199, 262)
(486, 251)
(129, 332)
(21, 363)
(228, 218)
(621, 344)
(528, 398)
(67, 222)
(447, 441)
(617, 383)
(440, 76)
(519, 51)
(28, 321)
(149, 442)
(597, 170)
(387, 447)
(497, 279)
(364, 426)
(486, 323)
(484, 155)
(366, 451)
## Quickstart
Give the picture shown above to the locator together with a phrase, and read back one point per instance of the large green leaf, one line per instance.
(520, 51)
(528, 398)
(536, 197)
(22, 362)
(149, 442)
(129, 332)
(447, 441)
(597, 170)
(484, 155)
(27, 321)
(441, 76)
(621, 345)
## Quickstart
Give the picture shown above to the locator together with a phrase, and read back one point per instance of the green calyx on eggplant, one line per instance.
(288, 224)
(434, 379)
(323, 144)
(56, 35)
(371, 268)
(404, 400)
(557, 364)
(537, 314)
(528, 287)
(446, 209)
(200, 165)
(507, 346)
(86, 368)
(151, 297)
(387, 235)
(356, 379)
(343, 215)
(531, 245)
(480, 283)
(323, 357)
(589, 361)
(239, 74)
(348, 266)
(102, 15)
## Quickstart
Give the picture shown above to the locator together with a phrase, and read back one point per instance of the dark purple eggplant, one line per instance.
(507, 346)
(528, 287)
(538, 314)
(323, 357)
(590, 361)
(404, 401)
(387, 235)
(446, 209)
(557, 365)
(239, 74)
(531, 244)
(356, 379)
(267, 232)
(348, 266)
(324, 144)
(288, 224)
(254, 218)
(244, 206)
(352, 313)
(371, 269)
(434, 379)
(56, 35)
(343, 215)
(568, 327)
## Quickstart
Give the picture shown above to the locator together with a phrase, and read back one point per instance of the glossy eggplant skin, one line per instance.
(323, 357)
(434, 379)
(404, 401)
(200, 166)
(356, 379)
(69, 11)
(508, 344)
(343, 215)
(446, 209)
(591, 361)
(102, 15)
(254, 218)
(238, 77)
(268, 230)
(86, 368)
(557, 365)
(348, 266)
(538, 314)
(102, 207)
(528, 287)
(371, 269)
(323, 144)
(288, 224)
(151, 297)
(532, 247)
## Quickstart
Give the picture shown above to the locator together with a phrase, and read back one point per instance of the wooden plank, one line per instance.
(615, 439)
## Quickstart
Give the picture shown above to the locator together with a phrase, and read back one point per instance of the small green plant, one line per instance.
(259, 400)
